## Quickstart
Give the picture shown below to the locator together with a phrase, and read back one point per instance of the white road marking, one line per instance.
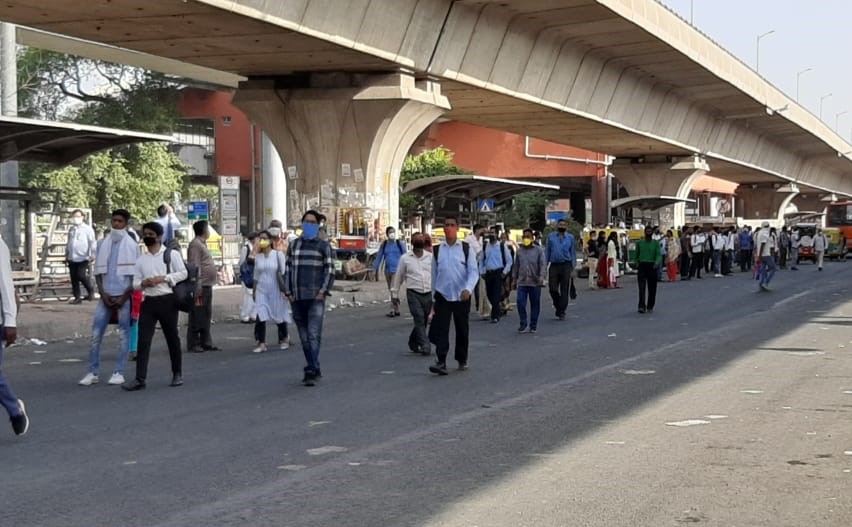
(847, 452)
(35, 363)
(638, 372)
(318, 423)
(716, 416)
(70, 360)
(39, 352)
(387, 372)
(615, 442)
(326, 450)
(129, 463)
(790, 299)
(752, 392)
(611, 335)
(688, 422)
(354, 464)
(293, 468)
(805, 353)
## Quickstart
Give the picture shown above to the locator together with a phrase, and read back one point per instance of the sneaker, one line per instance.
(284, 345)
(89, 379)
(717, 275)
(642, 310)
(133, 386)
(522, 329)
(533, 330)
(259, 349)
(462, 366)
(495, 320)
(309, 379)
(21, 422)
(116, 378)
(439, 368)
(819, 269)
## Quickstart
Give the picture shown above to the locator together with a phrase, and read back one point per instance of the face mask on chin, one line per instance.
(117, 234)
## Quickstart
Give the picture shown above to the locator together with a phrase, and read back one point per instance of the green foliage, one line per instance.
(527, 210)
(435, 162)
(137, 178)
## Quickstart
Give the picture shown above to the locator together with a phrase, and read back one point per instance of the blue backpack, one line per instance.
(247, 271)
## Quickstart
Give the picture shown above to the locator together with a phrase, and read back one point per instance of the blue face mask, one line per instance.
(310, 230)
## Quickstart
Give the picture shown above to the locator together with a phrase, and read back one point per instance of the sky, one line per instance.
(813, 34)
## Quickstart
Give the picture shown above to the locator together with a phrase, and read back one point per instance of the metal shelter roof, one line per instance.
(649, 202)
(23, 139)
(472, 187)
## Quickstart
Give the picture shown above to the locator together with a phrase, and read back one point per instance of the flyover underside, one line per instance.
(624, 78)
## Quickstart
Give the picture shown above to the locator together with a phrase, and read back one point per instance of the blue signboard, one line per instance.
(198, 210)
(555, 215)
(485, 205)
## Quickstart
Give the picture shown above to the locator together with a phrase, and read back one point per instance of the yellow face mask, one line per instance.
(263, 244)
(527, 242)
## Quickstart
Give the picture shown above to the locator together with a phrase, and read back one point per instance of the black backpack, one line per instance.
(186, 290)
(465, 249)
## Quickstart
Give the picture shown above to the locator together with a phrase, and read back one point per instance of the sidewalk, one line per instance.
(54, 320)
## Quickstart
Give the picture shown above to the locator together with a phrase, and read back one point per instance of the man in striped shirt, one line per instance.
(308, 281)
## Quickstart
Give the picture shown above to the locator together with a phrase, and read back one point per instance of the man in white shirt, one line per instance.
(415, 269)
(765, 246)
(474, 240)
(728, 254)
(168, 221)
(794, 249)
(697, 241)
(8, 334)
(156, 278)
(717, 243)
(820, 246)
(79, 253)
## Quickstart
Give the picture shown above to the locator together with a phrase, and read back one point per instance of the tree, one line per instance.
(430, 163)
(57, 86)
(527, 210)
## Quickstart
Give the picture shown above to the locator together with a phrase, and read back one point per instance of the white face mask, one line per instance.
(77, 220)
(392, 236)
(274, 231)
(117, 234)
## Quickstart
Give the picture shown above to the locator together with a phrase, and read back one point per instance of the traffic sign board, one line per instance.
(197, 210)
(485, 205)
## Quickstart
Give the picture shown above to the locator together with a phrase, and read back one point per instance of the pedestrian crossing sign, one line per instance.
(485, 205)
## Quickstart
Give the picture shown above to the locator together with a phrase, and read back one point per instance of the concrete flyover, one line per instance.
(625, 77)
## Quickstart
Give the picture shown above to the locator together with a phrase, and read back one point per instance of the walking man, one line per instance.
(390, 252)
(820, 246)
(562, 258)
(765, 248)
(8, 334)
(746, 250)
(697, 242)
(79, 253)
(454, 275)
(528, 274)
(156, 277)
(495, 267)
(649, 258)
(198, 338)
(794, 249)
(415, 269)
(115, 263)
(783, 247)
(308, 281)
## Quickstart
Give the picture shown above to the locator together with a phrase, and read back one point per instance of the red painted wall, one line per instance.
(233, 141)
(495, 153)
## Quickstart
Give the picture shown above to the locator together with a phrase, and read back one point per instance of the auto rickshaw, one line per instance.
(807, 231)
(837, 246)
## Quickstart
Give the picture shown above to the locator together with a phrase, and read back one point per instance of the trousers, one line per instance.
(79, 272)
(439, 333)
(160, 309)
(420, 305)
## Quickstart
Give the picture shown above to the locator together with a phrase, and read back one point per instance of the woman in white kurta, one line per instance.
(612, 259)
(269, 301)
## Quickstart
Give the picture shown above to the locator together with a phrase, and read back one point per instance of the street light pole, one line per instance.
(799, 76)
(837, 119)
(821, 100)
(757, 62)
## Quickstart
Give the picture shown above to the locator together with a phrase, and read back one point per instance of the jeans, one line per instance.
(308, 316)
(717, 262)
(439, 333)
(494, 286)
(533, 294)
(647, 278)
(79, 272)
(794, 256)
(99, 326)
(767, 269)
(559, 277)
(160, 309)
(7, 398)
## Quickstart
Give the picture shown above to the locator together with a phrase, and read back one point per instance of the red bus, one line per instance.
(840, 217)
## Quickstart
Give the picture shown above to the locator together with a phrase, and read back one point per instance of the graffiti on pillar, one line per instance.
(292, 172)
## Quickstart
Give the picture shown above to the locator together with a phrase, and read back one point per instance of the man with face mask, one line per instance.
(79, 253)
(495, 265)
(528, 275)
(156, 279)
(390, 253)
(415, 269)
(114, 266)
(562, 258)
(308, 281)
(648, 258)
(198, 337)
(276, 231)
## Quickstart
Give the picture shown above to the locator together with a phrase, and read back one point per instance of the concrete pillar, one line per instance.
(9, 210)
(763, 202)
(661, 177)
(601, 199)
(274, 184)
(343, 137)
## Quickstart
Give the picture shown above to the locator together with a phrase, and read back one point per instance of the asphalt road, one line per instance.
(565, 427)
